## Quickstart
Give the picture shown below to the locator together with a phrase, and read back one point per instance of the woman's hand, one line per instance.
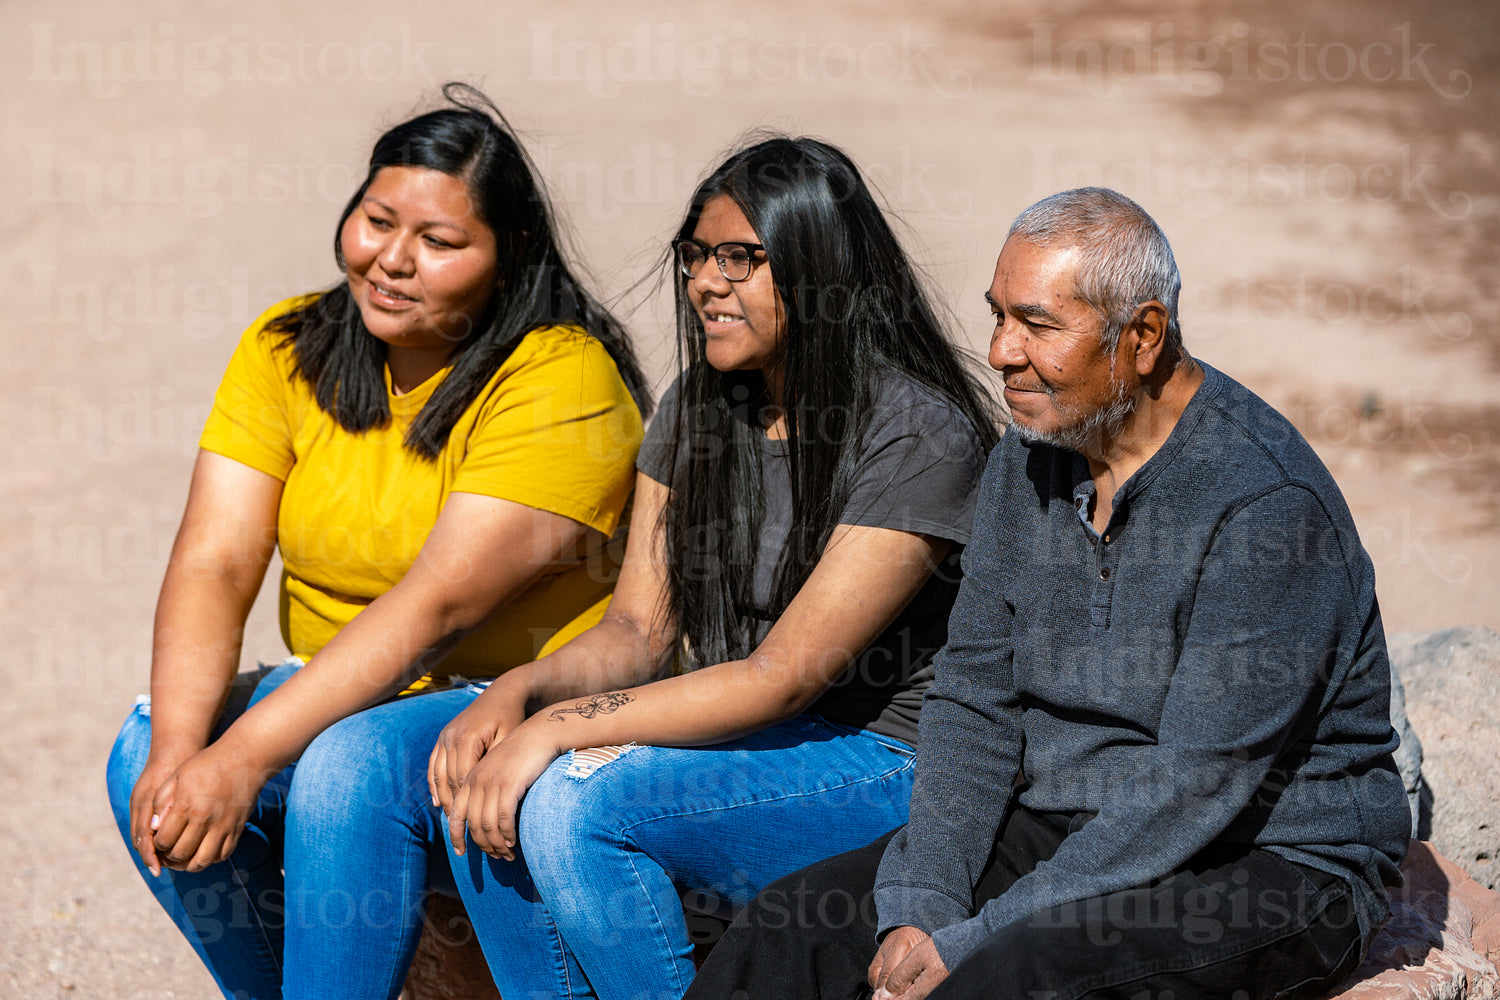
(199, 812)
(492, 792)
(466, 739)
(161, 764)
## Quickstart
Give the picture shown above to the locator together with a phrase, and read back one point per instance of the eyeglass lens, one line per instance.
(732, 258)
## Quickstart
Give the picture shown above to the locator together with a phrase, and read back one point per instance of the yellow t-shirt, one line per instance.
(555, 429)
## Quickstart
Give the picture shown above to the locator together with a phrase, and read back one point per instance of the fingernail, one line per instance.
(155, 822)
(435, 802)
(155, 871)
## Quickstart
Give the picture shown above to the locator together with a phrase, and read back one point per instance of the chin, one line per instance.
(382, 329)
(722, 363)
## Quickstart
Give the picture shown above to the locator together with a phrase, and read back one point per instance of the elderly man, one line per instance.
(1156, 761)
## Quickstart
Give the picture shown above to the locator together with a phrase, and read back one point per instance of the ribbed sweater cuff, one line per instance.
(915, 906)
(956, 941)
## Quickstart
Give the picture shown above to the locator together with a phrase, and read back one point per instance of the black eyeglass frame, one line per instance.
(713, 251)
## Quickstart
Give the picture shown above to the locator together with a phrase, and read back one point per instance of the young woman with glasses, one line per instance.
(749, 702)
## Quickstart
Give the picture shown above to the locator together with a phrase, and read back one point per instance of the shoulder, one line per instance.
(671, 399)
(1240, 461)
(554, 344)
(658, 450)
(1255, 448)
(907, 411)
(262, 342)
(561, 358)
(267, 324)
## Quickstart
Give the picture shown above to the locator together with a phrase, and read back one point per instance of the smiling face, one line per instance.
(742, 320)
(1061, 386)
(420, 264)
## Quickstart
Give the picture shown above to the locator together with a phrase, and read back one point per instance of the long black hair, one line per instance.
(854, 311)
(345, 364)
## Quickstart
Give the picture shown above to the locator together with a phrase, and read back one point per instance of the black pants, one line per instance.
(1236, 923)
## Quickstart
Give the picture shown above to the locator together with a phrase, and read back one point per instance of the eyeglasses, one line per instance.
(735, 260)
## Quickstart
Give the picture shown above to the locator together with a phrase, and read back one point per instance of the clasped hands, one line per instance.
(907, 966)
(481, 766)
(188, 808)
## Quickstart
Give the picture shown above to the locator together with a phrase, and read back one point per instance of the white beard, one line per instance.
(1087, 431)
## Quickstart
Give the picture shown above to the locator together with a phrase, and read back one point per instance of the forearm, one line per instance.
(391, 642)
(197, 634)
(618, 652)
(929, 869)
(969, 744)
(711, 705)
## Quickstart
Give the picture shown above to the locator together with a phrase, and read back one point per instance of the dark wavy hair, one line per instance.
(344, 362)
(855, 311)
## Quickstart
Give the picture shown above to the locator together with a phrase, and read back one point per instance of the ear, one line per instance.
(1147, 332)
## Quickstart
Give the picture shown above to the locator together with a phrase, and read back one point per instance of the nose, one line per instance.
(708, 279)
(395, 257)
(1007, 344)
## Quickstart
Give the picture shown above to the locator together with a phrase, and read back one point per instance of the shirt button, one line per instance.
(1104, 573)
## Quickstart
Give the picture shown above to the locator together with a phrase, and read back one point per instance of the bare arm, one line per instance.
(864, 579)
(218, 561)
(631, 645)
(481, 553)
(861, 583)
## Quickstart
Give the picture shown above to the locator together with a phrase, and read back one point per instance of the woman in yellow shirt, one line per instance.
(441, 447)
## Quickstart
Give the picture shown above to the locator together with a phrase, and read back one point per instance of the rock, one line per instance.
(1441, 942)
(1452, 680)
(449, 964)
(1409, 757)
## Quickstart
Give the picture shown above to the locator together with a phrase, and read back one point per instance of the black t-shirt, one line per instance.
(919, 469)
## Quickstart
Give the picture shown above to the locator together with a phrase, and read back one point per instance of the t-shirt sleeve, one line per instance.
(920, 469)
(251, 420)
(558, 432)
(657, 451)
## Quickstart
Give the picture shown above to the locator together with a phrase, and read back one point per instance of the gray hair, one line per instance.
(1125, 258)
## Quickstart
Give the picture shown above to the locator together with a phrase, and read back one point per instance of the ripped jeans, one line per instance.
(616, 839)
(353, 825)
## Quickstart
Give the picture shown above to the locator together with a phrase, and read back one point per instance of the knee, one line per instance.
(571, 806)
(352, 768)
(572, 826)
(127, 759)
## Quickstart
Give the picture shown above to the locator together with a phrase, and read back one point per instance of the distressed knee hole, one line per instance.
(583, 763)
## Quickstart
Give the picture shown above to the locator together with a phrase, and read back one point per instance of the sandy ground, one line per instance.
(1327, 173)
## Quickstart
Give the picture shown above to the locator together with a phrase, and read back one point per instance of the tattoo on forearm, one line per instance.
(599, 704)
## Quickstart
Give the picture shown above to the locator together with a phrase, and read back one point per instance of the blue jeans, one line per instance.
(613, 841)
(354, 827)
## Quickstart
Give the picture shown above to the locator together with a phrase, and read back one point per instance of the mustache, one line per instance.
(1019, 386)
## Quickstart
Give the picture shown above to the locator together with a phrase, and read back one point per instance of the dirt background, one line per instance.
(1327, 173)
